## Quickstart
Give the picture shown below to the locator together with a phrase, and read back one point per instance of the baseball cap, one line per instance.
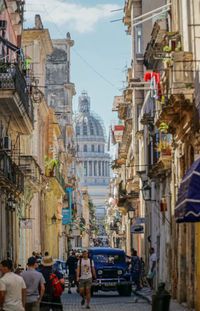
(31, 261)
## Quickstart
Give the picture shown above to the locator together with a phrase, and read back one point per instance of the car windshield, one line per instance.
(108, 258)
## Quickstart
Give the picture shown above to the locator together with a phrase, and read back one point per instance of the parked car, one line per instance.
(110, 266)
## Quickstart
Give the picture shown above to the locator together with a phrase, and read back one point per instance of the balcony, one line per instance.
(11, 177)
(181, 74)
(117, 102)
(14, 98)
(154, 50)
(31, 170)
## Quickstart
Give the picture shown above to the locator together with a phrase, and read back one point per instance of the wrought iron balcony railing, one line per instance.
(11, 78)
(10, 174)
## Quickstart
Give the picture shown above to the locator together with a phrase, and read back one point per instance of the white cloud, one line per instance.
(80, 18)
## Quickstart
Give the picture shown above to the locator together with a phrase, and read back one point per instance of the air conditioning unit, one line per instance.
(3, 24)
(7, 143)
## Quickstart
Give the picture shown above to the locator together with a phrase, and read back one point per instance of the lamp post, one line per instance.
(146, 191)
(131, 215)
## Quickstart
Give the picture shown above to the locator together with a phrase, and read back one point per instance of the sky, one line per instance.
(101, 52)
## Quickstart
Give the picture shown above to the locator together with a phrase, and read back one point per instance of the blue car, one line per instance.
(110, 266)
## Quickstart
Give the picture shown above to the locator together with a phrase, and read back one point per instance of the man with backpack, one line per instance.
(54, 286)
(85, 270)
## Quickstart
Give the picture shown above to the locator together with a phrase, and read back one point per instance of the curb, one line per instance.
(148, 299)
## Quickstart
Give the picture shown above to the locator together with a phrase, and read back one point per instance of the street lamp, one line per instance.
(146, 191)
(53, 219)
(131, 212)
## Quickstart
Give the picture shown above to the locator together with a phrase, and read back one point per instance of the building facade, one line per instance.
(95, 162)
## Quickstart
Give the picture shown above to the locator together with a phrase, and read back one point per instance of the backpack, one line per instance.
(80, 266)
(56, 287)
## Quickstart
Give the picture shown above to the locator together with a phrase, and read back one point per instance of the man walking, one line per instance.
(85, 270)
(136, 269)
(12, 288)
(71, 264)
(152, 265)
(33, 280)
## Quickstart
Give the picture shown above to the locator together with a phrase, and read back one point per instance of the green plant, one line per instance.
(163, 127)
(163, 145)
(167, 48)
(50, 163)
(116, 164)
(178, 48)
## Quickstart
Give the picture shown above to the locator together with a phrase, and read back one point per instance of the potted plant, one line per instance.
(116, 164)
(50, 164)
(164, 148)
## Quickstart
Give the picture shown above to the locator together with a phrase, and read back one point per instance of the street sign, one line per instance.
(137, 229)
(140, 220)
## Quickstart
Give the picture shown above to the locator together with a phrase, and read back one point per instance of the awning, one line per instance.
(187, 208)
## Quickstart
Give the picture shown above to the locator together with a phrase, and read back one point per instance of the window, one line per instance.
(77, 130)
(91, 129)
(90, 168)
(84, 129)
(99, 148)
(103, 169)
(95, 168)
(99, 164)
(138, 31)
(92, 148)
(85, 168)
(77, 148)
(85, 148)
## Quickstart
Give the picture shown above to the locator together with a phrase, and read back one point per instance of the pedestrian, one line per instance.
(46, 254)
(71, 264)
(136, 269)
(152, 266)
(33, 280)
(85, 270)
(51, 300)
(12, 288)
(142, 273)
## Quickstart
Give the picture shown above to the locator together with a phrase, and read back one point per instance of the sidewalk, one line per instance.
(146, 294)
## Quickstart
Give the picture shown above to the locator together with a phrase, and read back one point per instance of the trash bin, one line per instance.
(161, 300)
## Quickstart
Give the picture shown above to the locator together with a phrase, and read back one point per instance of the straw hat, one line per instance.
(47, 261)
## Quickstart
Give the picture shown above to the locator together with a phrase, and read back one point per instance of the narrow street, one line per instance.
(105, 301)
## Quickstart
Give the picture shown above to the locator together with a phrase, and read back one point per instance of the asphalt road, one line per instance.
(105, 301)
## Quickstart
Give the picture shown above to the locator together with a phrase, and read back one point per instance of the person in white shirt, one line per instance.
(12, 289)
(152, 267)
(85, 270)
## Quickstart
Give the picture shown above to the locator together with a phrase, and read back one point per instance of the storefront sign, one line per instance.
(118, 132)
(140, 220)
(137, 229)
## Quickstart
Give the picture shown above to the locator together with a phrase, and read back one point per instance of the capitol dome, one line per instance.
(90, 142)
(86, 123)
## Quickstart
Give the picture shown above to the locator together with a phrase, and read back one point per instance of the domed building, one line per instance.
(90, 141)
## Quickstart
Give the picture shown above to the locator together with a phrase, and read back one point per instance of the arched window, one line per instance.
(77, 130)
(84, 129)
(97, 130)
(85, 148)
(99, 148)
(91, 129)
(92, 148)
